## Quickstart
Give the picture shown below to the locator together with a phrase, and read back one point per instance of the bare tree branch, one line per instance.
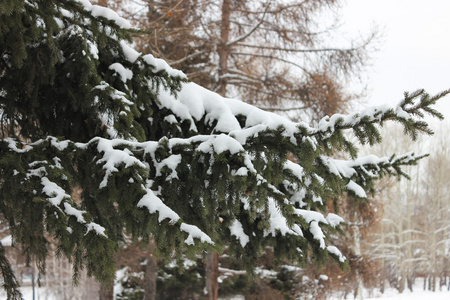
(301, 50)
(274, 58)
(246, 35)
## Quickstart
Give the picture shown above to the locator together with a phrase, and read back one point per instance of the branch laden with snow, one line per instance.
(155, 157)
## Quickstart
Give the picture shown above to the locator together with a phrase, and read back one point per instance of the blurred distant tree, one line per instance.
(436, 205)
(414, 231)
(286, 56)
(393, 241)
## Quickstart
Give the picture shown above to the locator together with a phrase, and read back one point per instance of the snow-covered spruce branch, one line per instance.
(361, 172)
(112, 157)
(105, 14)
(408, 113)
(413, 105)
(112, 154)
(233, 144)
(155, 157)
(327, 134)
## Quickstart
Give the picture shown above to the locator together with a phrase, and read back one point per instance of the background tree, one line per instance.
(158, 158)
(435, 203)
(395, 233)
(279, 55)
(410, 241)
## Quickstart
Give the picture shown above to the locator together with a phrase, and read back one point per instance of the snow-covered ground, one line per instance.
(390, 294)
(418, 294)
(393, 294)
(27, 292)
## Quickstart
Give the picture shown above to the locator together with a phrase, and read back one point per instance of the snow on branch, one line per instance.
(157, 150)
(155, 204)
(45, 173)
(106, 13)
(236, 124)
(413, 105)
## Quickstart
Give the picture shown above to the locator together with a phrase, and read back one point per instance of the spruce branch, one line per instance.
(158, 158)
(408, 112)
(392, 166)
(10, 283)
(360, 174)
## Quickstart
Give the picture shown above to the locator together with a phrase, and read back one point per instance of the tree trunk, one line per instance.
(433, 282)
(106, 291)
(357, 251)
(32, 280)
(409, 282)
(383, 255)
(212, 274)
(223, 49)
(151, 269)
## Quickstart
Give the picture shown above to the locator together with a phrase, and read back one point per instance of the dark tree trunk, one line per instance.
(212, 274)
(432, 282)
(409, 282)
(106, 291)
(223, 50)
(151, 269)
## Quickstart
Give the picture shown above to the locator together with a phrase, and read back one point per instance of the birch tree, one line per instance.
(436, 207)
(413, 236)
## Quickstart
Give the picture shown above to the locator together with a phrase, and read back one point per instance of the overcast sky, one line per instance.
(414, 50)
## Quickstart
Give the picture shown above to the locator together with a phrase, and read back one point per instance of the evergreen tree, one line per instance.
(157, 157)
